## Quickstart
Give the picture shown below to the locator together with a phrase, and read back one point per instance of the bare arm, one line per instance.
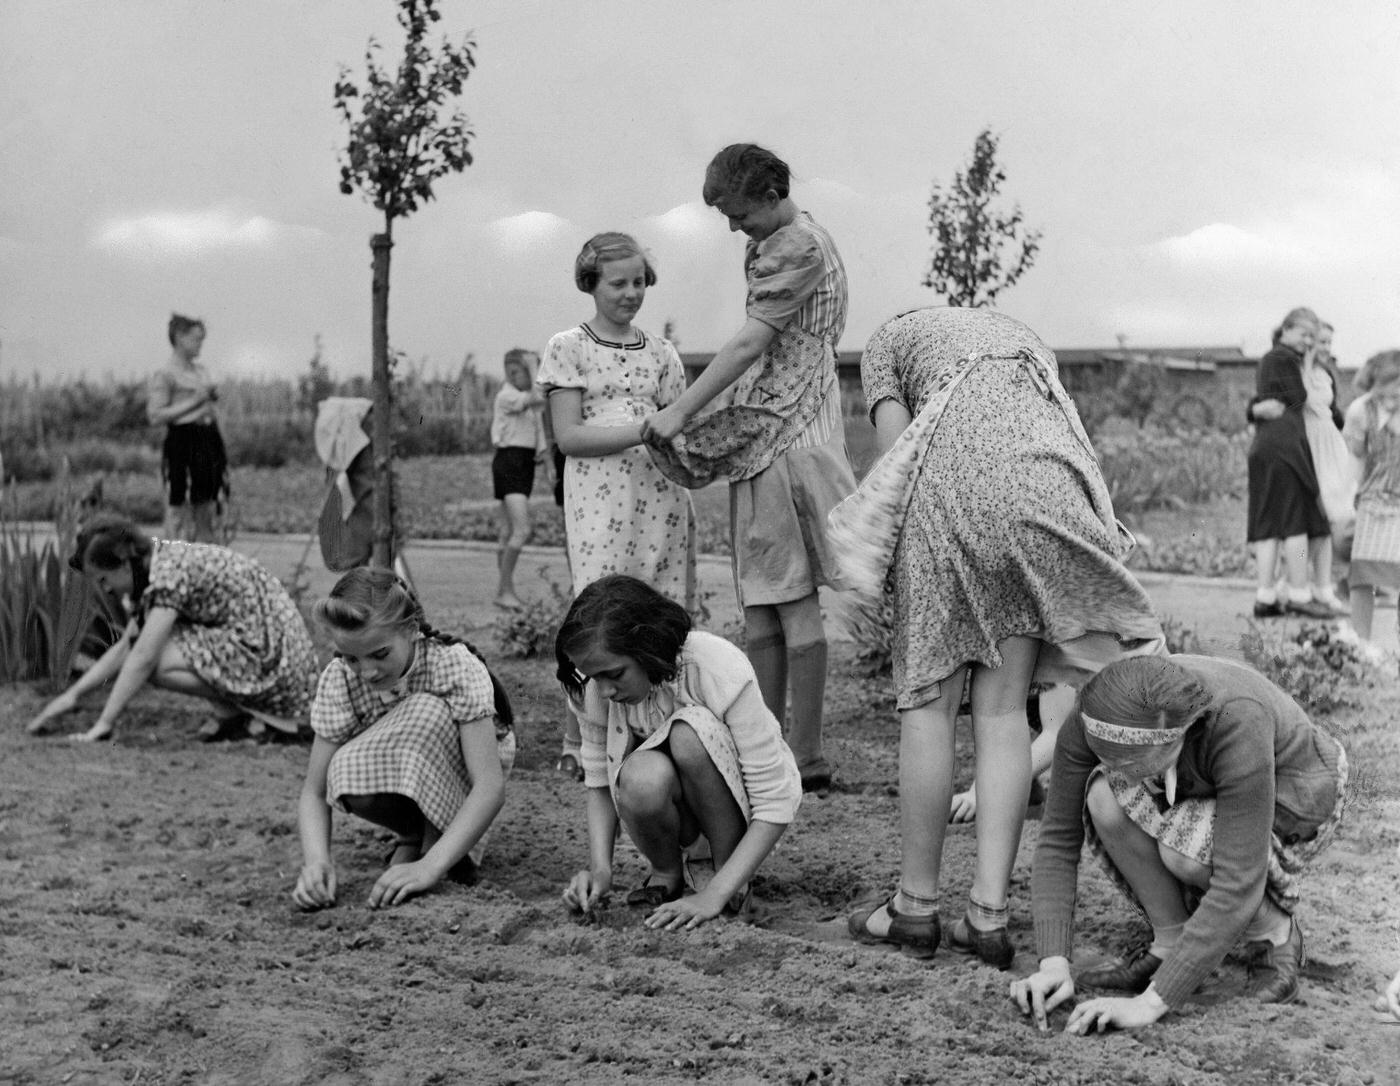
(724, 369)
(483, 803)
(588, 887)
(891, 419)
(106, 666)
(316, 885)
(135, 669)
(577, 438)
(690, 912)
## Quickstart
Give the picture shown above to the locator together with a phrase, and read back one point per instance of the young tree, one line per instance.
(405, 132)
(978, 251)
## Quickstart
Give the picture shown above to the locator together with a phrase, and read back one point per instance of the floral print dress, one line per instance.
(622, 515)
(1006, 527)
(237, 628)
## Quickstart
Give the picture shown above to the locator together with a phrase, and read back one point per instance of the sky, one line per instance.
(1197, 169)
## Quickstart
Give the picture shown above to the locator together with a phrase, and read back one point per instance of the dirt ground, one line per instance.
(149, 936)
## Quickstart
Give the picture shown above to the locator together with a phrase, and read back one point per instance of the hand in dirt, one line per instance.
(315, 887)
(402, 881)
(1391, 1000)
(64, 703)
(1044, 990)
(964, 806)
(686, 913)
(587, 890)
(1116, 1011)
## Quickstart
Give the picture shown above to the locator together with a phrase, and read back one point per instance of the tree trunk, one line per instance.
(382, 436)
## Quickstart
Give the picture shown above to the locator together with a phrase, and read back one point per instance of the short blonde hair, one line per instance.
(601, 248)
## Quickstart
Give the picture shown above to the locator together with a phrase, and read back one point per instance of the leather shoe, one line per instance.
(1308, 609)
(1131, 971)
(916, 935)
(1273, 970)
(1268, 610)
(652, 895)
(993, 947)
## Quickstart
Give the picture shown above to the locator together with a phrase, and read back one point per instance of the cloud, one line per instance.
(1221, 245)
(529, 231)
(182, 235)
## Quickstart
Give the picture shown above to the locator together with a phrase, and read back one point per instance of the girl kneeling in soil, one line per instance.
(1205, 790)
(204, 621)
(677, 742)
(413, 733)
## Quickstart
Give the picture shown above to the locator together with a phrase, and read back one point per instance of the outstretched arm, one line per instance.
(316, 886)
(587, 888)
(135, 670)
(724, 369)
(106, 666)
(691, 911)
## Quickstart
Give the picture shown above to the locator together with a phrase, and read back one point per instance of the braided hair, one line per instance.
(369, 597)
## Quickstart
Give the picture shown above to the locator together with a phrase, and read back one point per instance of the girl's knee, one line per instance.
(1103, 807)
(646, 783)
(423, 704)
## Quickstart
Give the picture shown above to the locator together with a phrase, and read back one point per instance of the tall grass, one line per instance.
(46, 609)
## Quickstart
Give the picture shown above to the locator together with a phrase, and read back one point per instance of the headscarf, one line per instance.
(1137, 702)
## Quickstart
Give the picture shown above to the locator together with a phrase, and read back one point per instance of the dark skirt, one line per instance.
(194, 464)
(1283, 493)
(513, 471)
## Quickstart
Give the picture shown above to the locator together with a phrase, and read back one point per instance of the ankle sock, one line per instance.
(1270, 924)
(1265, 595)
(1300, 595)
(987, 917)
(1165, 940)
(911, 904)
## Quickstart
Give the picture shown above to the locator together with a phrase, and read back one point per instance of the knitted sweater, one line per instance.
(1270, 771)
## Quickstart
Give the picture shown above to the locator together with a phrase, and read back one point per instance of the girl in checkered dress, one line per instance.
(1372, 433)
(412, 733)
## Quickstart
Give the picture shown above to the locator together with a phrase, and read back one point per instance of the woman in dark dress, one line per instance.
(1285, 509)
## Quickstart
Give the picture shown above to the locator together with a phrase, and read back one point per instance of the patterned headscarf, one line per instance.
(1141, 701)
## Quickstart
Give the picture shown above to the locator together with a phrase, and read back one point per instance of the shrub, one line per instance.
(1179, 636)
(1319, 669)
(529, 633)
(1153, 469)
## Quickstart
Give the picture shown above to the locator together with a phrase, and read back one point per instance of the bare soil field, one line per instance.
(147, 933)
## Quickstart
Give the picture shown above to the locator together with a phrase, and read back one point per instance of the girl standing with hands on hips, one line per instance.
(677, 742)
(780, 443)
(413, 733)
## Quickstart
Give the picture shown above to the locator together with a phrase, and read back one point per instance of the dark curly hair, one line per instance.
(627, 617)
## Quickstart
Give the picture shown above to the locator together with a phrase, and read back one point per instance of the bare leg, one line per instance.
(1003, 767)
(1363, 605)
(203, 513)
(1137, 857)
(706, 794)
(515, 533)
(398, 814)
(649, 803)
(1295, 564)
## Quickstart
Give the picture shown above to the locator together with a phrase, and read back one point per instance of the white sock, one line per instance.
(1165, 940)
(1300, 595)
(1266, 595)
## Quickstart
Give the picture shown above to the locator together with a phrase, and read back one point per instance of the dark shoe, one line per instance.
(464, 872)
(993, 947)
(1308, 609)
(1273, 970)
(221, 729)
(818, 782)
(1268, 610)
(1131, 971)
(652, 895)
(916, 935)
(568, 766)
